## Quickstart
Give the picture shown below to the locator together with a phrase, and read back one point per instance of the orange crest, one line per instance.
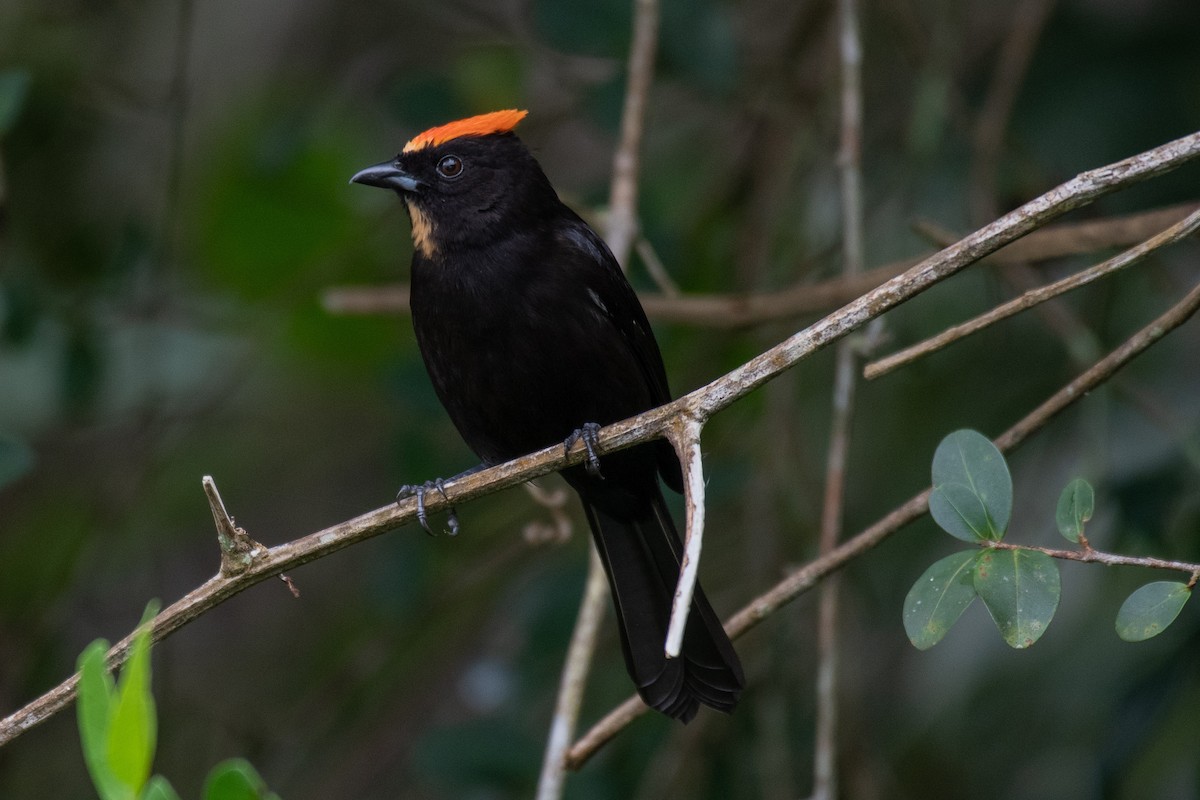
(481, 125)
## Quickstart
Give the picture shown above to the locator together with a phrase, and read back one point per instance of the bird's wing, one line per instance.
(593, 265)
(589, 262)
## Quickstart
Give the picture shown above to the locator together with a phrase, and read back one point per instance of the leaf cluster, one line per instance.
(118, 729)
(972, 500)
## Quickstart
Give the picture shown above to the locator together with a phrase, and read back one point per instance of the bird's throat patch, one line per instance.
(422, 230)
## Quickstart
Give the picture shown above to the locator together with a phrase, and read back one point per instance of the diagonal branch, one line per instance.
(699, 404)
(810, 574)
(1077, 192)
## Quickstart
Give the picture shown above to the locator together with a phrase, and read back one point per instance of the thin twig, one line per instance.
(742, 310)
(622, 225)
(684, 436)
(620, 233)
(654, 266)
(574, 679)
(1089, 555)
(1078, 339)
(854, 257)
(850, 149)
(825, 744)
(1071, 238)
(700, 404)
(810, 574)
(1180, 230)
(1105, 367)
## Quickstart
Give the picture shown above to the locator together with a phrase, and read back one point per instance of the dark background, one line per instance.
(175, 203)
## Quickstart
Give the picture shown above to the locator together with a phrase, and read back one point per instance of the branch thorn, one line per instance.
(238, 550)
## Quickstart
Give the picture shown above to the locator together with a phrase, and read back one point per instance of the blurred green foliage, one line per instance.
(118, 730)
(162, 259)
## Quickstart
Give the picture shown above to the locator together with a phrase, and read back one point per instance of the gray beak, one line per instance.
(387, 175)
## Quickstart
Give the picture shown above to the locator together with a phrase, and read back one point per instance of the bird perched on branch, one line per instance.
(532, 335)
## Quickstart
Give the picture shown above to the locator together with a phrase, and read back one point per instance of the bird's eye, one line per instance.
(450, 167)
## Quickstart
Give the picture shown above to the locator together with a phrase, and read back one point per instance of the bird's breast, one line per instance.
(519, 363)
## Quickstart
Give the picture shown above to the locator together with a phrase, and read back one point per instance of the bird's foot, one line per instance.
(589, 435)
(419, 491)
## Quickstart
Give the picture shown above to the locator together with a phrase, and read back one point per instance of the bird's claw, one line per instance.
(589, 435)
(419, 491)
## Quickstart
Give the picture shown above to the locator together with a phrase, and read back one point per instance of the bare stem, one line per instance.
(574, 680)
(1103, 369)
(849, 162)
(685, 438)
(654, 266)
(622, 224)
(1089, 555)
(825, 745)
(1180, 230)
(620, 233)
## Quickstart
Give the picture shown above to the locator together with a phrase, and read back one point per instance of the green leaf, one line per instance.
(132, 730)
(961, 513)
(1075, 507)
(1020, 589)
(14, 86)
(159, 789)
(236, 779)
(972, 489)
(1148, 611)
(94, 705)
(938, 599)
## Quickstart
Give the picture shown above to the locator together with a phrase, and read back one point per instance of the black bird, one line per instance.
(532, 335)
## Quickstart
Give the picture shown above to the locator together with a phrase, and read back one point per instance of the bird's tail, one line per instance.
(641, 554)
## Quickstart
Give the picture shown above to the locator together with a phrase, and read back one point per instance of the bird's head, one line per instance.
(464, 183)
